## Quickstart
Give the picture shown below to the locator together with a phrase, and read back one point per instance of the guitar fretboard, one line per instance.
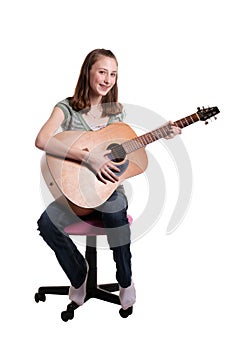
(163, 131)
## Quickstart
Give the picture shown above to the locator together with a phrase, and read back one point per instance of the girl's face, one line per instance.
(103, 75)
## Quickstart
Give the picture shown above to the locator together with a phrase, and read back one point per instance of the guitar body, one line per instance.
(77, 182)
(71, 182)
(56, 193)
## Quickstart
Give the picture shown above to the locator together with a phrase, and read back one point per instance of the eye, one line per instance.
(113, 75)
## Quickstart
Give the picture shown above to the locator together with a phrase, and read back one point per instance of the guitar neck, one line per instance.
(161, 132)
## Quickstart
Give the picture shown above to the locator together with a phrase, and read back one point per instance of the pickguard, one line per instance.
(121, 163)
(123, 167)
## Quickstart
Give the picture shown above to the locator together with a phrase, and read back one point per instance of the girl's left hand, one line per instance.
(173, 131)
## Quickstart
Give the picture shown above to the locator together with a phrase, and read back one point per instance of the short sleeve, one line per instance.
(64, 106)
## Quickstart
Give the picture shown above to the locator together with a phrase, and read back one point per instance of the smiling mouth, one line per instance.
(104, 87)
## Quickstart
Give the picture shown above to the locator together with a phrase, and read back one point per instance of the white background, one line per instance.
(173, 56)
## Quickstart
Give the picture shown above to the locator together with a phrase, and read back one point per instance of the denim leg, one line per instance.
(114, 217)
(122, 257)
(68, 256)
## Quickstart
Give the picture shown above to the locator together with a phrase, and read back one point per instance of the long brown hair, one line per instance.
(81, 100)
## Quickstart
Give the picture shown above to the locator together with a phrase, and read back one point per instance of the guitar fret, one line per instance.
(142, 140)
(154, 134)
(128, 146)
(167, 130)
(183, 124)
(135, 144)
(197, 116)
(139, 142)
(150, 138)
(192, 119)
(159, 133)
(145, 139)
(164, 131)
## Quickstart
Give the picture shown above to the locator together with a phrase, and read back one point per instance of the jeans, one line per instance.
(113, 214)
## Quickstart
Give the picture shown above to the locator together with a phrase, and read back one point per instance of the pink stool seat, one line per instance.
(92, 227)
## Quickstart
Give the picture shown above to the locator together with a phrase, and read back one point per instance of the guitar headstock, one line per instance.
(207, 113)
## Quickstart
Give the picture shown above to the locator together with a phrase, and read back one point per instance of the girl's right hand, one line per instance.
(102, 166)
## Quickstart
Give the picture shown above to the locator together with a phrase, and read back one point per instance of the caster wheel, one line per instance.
(72, 306)
(127, 312)
(39, 297)
(67, 315)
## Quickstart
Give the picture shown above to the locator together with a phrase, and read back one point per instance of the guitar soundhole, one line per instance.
(118, 153)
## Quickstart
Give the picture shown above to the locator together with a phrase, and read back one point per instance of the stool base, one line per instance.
(103, 292)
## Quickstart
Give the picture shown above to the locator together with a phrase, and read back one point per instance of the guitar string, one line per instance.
(139, 142)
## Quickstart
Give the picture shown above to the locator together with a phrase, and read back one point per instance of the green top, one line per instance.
(75, 121)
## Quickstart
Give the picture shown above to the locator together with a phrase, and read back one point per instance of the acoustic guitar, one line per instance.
(80, 185)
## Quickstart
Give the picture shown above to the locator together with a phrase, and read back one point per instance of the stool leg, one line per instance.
(103, 291)
(91, 257)
(110, 287)
(57, 290)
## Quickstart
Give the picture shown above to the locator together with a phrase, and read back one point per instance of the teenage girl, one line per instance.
(93, 106)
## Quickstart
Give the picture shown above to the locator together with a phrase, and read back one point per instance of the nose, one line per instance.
(107, 78)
